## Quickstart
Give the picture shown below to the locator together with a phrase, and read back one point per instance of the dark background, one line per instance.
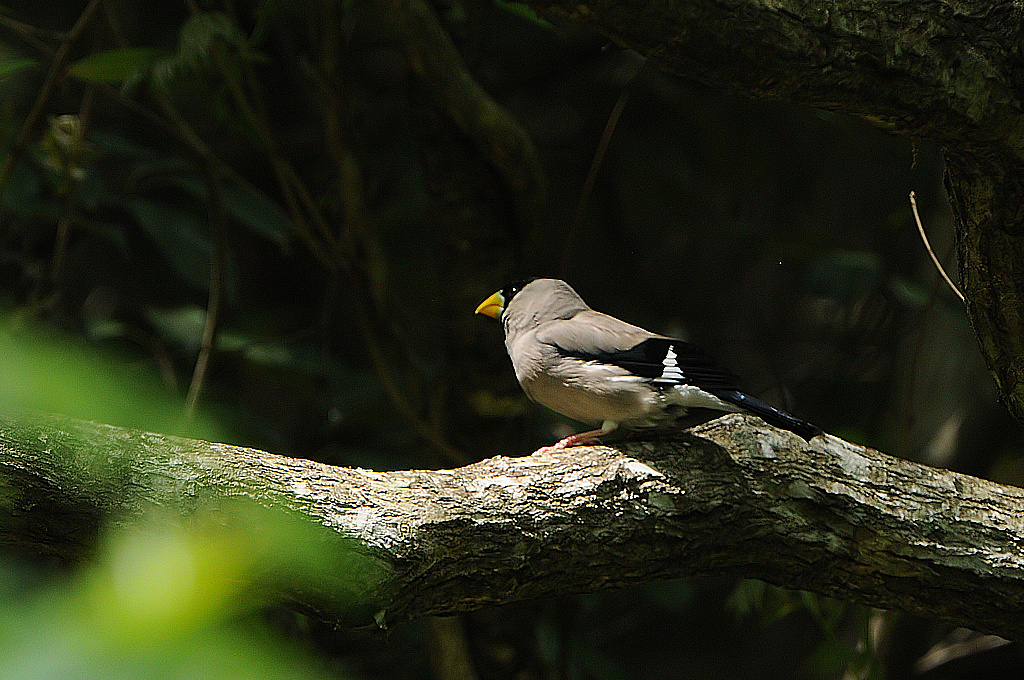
(779, 238)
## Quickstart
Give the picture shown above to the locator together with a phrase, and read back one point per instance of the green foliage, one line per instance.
(845, 274)
(205, 31)
(115, 66)
(169, 199)
(48, 372)
(523, 12)
(201, 37)
(751, 597)
(273, 13)
(175, 598)
(12, 66)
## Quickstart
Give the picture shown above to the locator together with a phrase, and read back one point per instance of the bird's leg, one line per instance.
(579, 439)
(587, 438)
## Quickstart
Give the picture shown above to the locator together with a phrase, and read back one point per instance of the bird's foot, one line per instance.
(572, 440)
(581, 439)
(587, 438)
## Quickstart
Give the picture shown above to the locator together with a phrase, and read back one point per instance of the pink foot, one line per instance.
(581, 439)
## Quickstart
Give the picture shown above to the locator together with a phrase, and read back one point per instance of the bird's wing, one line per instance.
(589, 333)
(593, 336)
(666, 362)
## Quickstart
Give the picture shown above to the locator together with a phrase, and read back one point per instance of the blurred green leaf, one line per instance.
(909, 292)
(245, 204)
(198, 37)
(204, 30)
(524, 12)
(115, 66)
(8, 68)
(50, 373)
(169, 597)
(182, 326)
(257, 212)
(828, 660)
(114, 142)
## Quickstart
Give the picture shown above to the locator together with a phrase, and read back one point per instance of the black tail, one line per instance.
(769, 413)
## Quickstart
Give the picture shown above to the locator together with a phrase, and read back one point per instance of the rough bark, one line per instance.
(949, 70)
(735, 497)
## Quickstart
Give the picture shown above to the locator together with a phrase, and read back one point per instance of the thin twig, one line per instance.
(588, 184)
(928, 246)
(70, 197)
(176, 124)
(218, 222)
(298, 198)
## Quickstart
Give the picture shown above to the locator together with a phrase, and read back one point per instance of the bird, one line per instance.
(596, 369)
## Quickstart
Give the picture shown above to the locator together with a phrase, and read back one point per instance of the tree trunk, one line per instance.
(735, 496)
(951, 71)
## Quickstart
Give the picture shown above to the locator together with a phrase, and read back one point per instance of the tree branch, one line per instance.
(947, 70)
(733, 496)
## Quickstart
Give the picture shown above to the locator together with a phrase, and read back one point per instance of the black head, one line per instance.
(509, 291)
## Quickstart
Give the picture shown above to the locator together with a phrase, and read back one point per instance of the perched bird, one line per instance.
(602, 371)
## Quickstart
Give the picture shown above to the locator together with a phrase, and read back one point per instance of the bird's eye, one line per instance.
(511, 289)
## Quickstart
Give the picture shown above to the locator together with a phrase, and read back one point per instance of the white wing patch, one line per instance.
(670, 371)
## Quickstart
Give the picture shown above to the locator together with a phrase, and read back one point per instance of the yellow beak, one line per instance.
(492, 306)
